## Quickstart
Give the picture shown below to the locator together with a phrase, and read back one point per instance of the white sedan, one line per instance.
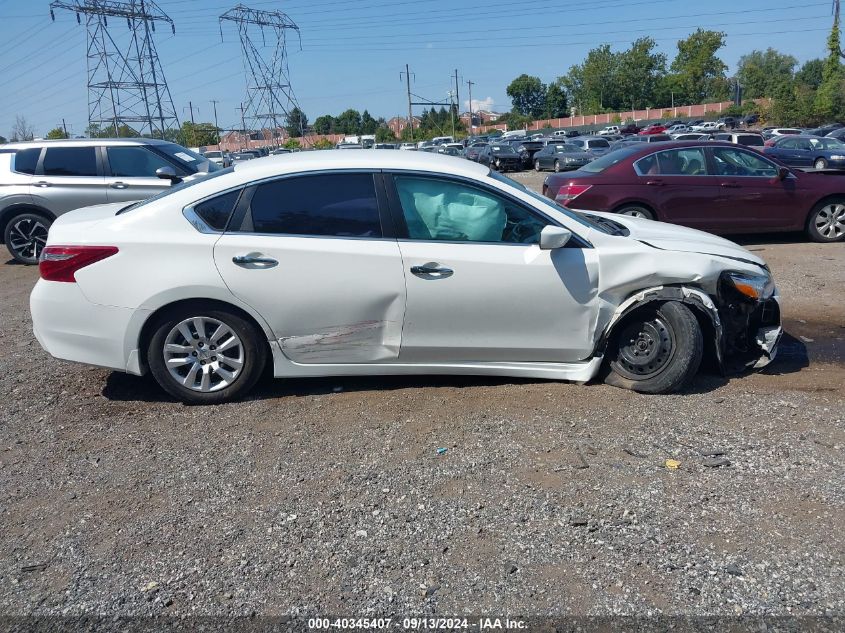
(360, 262)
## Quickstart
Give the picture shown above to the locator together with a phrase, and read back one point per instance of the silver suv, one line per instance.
(41, 180)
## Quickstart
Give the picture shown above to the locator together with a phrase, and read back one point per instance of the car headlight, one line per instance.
(756, 287)
(837, 157)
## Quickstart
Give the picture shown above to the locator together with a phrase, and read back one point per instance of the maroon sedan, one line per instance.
(654, 128)
(713, 186)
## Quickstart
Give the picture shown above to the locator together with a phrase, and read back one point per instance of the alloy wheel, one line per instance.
(830, 221)
(203, 354)
(821, 163)
(635, 212)
(27, 238)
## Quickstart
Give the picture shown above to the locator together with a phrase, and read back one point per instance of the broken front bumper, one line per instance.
(751, 331)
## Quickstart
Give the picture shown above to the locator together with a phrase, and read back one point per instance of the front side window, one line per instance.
(734, 162)
(677, 162)
(70, 161)
(26, 160)
(456, 212)
(134, 162)
(335, 205)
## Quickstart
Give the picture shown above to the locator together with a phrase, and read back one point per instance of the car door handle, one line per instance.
(118, 185)
(432, 269)
(42, 183)
(730, 185)
(247, 260)
(655, 183)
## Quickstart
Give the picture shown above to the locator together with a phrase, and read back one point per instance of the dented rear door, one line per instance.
(310, 255)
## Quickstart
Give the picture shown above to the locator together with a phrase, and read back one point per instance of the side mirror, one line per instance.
(552, 237)
(168, 173)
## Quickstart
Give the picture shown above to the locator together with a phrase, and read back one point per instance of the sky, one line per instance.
(353, 51)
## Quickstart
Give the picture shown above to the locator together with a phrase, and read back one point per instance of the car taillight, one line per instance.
(569, 192)
(60, 263)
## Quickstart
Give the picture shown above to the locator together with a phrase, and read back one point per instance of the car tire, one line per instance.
(820, 163)
(25, 236)
(656, 350)
(826, 222)
(557, 166)
(537, 166)
(212, 342)
(636, 211)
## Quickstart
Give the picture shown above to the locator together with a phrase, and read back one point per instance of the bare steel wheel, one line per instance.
(203, 354)
(827, 222)
(26, 237)
(820, 163)
(645, 348)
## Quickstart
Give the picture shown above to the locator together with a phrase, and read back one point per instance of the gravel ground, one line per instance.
(440, 496)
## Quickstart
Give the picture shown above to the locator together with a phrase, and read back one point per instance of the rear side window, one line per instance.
(134, 162)
(70, 161)
(675, 162)
(215, 211)
(336, 205)
(26, 160)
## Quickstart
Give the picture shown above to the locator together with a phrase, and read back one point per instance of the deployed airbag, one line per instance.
(445, 211)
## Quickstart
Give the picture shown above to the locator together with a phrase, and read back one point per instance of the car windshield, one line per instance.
(569, 147)
(173, 189)
(503, 149)
(575, 215)
(827, 143)
(192, 161)
(609, 160)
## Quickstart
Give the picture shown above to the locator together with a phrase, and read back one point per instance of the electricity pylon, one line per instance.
(126, 84)
(269, 97)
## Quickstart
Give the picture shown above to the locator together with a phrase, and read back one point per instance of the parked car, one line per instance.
(561, 157)
(408, 146)
(707, 126)
(630, 128)
(384, 146)
(454, 270)
(526, 150)
(750, 119)
(712, 186)
(654, 128)
(280, 150)
(690, 136)
(629, 141)
(826, 129)
(44, 179)
(566, 133)
(728, 122)
(473, 151)
(500, 156)
(610, 129)
(820, 152)
(595, 145)
(677, 128)
(838, 133)
(239, 157)
(769, 133)
(221, 159)
(749, 139)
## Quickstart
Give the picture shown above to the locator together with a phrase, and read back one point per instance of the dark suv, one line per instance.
(44, 179)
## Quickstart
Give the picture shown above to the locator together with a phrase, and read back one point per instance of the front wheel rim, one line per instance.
(820, 164)
(830, 221)
(635, 213)
(27, 238)
(645, 349)
(203, 354)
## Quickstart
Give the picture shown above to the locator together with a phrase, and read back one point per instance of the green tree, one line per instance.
(555, 101)
(701, 74)
(368, 123)
(348, 122)
(810, 74)
(292, 143)
(324, 124)
(197, 134)
(528, 95)
(296, 123)
(761, 72)
(56, 133)
(323, 143)
(828, 102)
(639, 72)
(384, 134)
(592, 85)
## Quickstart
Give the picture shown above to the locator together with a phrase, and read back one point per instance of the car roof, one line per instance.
(357, 159)
(87, 141)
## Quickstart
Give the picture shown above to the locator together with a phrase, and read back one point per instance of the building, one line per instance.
(398, 123)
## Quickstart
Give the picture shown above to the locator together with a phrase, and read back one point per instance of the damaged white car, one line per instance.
(358, 262)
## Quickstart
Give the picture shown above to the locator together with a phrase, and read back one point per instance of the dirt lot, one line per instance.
(330, 497)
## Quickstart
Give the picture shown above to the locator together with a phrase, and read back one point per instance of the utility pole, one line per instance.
(191, 108)
(452, 112)
(243, 124)
(64, 125)
(457, 94)
(469, 83)
(214, 103)
(410, 110)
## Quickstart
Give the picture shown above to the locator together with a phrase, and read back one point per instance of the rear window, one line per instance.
(26, 160)
(216, 211)
(599, 142)
(610, 159)
(752, 140)
(70, 161)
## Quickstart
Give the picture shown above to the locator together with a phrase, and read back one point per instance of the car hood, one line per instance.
(671, 237)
